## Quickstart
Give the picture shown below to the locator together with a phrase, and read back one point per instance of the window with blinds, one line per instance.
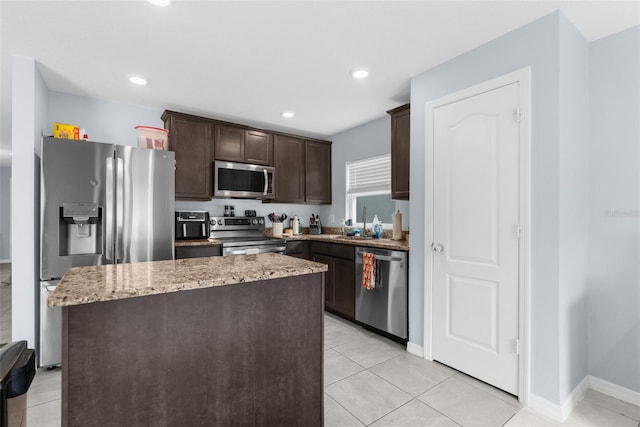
(369, 185)
(369, 175)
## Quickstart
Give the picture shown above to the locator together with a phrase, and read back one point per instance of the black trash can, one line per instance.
(17, 369)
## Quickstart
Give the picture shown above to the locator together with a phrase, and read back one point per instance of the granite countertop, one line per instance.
(198, 242)
(384, 243)
(84, 285)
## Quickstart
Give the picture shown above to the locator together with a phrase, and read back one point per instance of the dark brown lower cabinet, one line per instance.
(198, 251)
(247, 354)
(339, 286)
(298, 249)
(344, 290)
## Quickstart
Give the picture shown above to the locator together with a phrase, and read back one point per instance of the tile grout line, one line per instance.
(349, 412)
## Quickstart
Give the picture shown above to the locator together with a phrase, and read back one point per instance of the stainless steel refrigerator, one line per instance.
(99, 204)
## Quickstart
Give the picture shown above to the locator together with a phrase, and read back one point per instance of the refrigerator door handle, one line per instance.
(119, 208)
(109, 216)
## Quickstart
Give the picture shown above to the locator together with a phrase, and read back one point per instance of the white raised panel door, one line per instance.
(475, 248)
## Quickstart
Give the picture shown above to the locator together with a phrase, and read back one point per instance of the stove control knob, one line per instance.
(254, 221)
(261, 221)
(220, 222)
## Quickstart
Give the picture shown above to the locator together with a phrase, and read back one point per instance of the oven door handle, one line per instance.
(250, 251)
(276, 249)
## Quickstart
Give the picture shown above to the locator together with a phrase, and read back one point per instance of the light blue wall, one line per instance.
(104, 121)
(370, 139)
(5, 213)
(614, 240)
(574, 202)
(534, 45)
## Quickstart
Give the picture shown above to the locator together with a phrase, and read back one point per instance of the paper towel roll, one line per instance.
(397, 226)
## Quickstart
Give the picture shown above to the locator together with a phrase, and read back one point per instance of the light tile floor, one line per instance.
(370, 380)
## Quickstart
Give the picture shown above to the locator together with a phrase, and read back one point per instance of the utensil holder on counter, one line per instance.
(276, 229)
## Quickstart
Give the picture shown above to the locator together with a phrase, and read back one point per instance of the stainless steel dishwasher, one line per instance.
(386, 306)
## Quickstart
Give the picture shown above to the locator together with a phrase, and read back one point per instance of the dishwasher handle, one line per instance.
(382, 257)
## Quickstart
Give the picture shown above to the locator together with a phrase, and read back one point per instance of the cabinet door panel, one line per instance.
(318, 172)
(344, 290)
(229, 142)
(258, 148)
(400, 152)
(190, 139)
(289, 163)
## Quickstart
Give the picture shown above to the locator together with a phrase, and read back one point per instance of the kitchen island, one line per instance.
(198, 342)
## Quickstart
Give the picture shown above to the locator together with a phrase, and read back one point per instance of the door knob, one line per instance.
(436, 247)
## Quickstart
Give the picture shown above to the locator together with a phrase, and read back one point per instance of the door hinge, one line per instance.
(518, 347)
(518, 115)
(518, 231)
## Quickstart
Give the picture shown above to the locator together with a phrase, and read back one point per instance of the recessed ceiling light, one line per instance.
(360, 74)
(288, 114)
(136, 80)
(161, 3)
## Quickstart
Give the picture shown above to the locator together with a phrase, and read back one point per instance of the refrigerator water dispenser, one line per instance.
(80, 229)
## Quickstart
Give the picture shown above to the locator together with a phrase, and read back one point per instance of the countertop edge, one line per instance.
(87, 285)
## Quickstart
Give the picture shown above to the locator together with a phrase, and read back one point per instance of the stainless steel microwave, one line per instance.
(245, 181)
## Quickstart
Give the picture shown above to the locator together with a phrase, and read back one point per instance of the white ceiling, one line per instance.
(247, 61)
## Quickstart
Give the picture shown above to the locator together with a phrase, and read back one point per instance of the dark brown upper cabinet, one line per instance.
(303, 165)
(303, 170)
(400, 151)
(289, 161)
(237, 144)
(318, 172)
(190, 137)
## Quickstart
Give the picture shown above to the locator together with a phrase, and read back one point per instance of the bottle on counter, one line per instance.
(226, 210)
(295, 226)
(377, 228)
(232, 210)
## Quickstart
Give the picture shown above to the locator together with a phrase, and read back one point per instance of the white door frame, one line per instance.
(523, 77)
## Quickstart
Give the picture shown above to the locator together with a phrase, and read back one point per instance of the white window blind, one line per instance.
(369, 175)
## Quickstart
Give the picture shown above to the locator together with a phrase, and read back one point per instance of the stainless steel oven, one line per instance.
(242, 180)
(244, 236)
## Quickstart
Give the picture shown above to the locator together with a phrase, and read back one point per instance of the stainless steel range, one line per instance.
(244, 236)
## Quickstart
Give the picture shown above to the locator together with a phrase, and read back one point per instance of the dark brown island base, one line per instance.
(216, 341)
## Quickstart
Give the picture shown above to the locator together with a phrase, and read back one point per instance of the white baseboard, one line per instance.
(545, 408)
(562, 412)
(559, 412)
(415, 349)
(614, 390)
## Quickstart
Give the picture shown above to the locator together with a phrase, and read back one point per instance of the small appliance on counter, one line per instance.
(192, 225)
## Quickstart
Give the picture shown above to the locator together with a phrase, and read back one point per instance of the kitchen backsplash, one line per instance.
(216, 208)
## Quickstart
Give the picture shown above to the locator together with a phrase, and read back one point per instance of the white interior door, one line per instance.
(476, 231)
